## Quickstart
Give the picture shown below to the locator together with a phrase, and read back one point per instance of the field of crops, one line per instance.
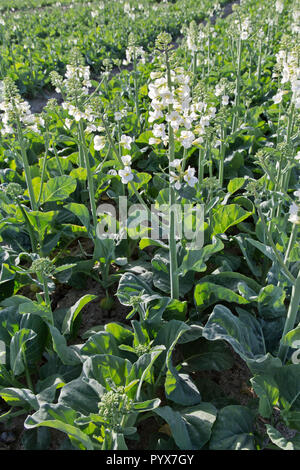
(149, 231)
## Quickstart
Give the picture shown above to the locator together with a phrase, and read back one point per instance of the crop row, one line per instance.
(33, 43)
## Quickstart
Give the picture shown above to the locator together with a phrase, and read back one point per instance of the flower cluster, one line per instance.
(176, 177)
(113, 406)
(15, 109)
(288, 63)
(182, 114)
(295, 209)
(223, 89)
(43, 266)
(75, 87)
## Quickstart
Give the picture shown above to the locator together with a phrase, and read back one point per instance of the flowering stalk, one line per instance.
(26, 165)
(172, 240)
(136, 90)
(91, 188)
(115, 151)
(238, 86)
(222, 156)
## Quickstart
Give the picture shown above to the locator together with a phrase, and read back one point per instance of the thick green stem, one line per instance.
(291, 317)
(29, 228)
(89, 174)
(238, 86)
(115, 151)
(292, 240)
(136, 90)
(222, 157)
(26, 166)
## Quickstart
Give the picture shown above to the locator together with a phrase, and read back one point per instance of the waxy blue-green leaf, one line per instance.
(36, 308)
(132, 286)
(233, 429)
(100, 343)
(266, 389)
(67, 354)
(59, 417)
(243, 333)
(18, 346)
(20, 397)
(104, 368)
(190, 427)
(74, 311)
(79, 396)
(282, 442)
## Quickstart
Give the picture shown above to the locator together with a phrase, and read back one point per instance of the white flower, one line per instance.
(126, 174)
(176, 163)
(126, 160)
(294, 214)
(189, 177)
(297, 157)
(159, 130)
(118, 116)
(279, 6)
(186, 138)
(154, 141)
(225, 100)
(68, 123)
(278, 97)
(174, 178)
(126, 141)
(99, 142)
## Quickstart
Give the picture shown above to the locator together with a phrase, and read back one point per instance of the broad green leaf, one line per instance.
(243, 333)
(18, 346)
(207, 355)
(207, 294)
(67, 354)
(81, 212)
(131, 286)
(190, 427)
(79, 396)
(271, 302)
(235, 184)
(74, 311)
(36, 308)
(105, 367)
(20, 397)
(178, 387)
(42, 221)
(195, 260)
(58, 188)
(59, 417)
(266, 389)
(226, 216)
(100, 343)
(147, 405)
(7, 274)
(282, 442)
(233, 429)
